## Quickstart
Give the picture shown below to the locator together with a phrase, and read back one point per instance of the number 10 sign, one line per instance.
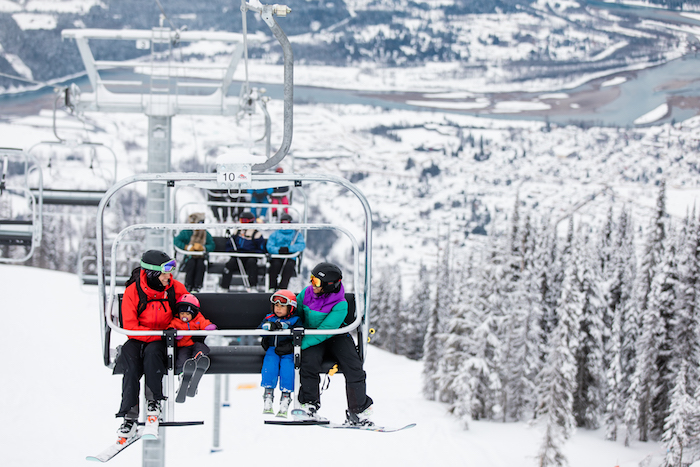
(233, 176)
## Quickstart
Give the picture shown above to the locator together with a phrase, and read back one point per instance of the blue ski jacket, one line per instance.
(280, 238)
(287, 323)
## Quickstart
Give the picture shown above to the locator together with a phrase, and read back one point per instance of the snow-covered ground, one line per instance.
(58, 404)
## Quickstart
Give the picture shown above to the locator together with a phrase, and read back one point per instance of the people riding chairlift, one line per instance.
(146, 355)
(322, 305)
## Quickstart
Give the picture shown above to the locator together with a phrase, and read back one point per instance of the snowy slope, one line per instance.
(60, 401)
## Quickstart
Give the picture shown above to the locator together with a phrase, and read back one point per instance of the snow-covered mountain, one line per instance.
(509, 41)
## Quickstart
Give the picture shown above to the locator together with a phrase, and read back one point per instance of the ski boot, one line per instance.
(285, 400)
(126, 430)
(268, 399)
(359, 419)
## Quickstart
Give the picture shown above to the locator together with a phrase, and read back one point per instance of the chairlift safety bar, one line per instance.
(204, 180)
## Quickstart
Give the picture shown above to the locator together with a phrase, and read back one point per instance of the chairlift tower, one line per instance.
(168, 88)
(161, 88)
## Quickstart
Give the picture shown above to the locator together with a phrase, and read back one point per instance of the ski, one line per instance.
(150, 430)
(188, 370)
(297, 422)
(300, 417)
(116, 448)
(123, 443)
(380, 429)
(202, 363)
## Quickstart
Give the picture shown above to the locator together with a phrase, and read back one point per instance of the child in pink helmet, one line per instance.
(187, 317)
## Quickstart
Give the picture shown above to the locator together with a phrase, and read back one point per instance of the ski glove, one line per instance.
(284, 250)
(271, 326)
(284, 348)
(210, 327)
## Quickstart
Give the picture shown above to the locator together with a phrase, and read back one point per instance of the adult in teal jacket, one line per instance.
(195, 241)
(322, 305)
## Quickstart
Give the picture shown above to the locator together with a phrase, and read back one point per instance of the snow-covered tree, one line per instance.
(557, 381)
(679, 426)
(588, 399)
(414, 321)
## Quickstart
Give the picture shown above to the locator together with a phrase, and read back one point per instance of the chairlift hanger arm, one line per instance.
(267, 13)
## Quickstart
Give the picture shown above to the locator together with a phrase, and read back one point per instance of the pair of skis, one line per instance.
(192, 371)
(303, 418)
(144, 431)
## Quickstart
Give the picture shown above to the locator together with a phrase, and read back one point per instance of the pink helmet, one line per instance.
(187, 303)
(285, 297)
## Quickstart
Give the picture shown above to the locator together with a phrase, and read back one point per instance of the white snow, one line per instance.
(34, 20)
(477, 104)
(519, 106)
(654, 115)
(60, 405)
(613, 82)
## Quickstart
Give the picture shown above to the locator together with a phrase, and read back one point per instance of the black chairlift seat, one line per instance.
(16, 232)
(70, 197)
(243, 311)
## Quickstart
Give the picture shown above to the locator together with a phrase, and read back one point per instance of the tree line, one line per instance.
(597, 328)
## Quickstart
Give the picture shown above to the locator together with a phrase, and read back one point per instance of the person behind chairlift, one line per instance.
(284, 242)
(322, 305)
(278, 363)
(243, 241)
(146, 355)
(260, 196)
(195, 240)
(188, 317)
(279, 195)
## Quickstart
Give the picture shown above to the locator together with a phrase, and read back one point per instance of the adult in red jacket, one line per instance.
(146, 355)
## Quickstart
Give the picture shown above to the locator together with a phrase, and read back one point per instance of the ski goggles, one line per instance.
(282, 300)
(315, 281)
(187, 309)
(168, 266)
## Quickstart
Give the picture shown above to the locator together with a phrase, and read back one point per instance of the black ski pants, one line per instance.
(287, 268)
(194, 272)
(342, 349)
(250, 264)
(187, 352)
(139, 358)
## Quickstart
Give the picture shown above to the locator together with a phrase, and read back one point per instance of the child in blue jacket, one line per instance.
(279, 358)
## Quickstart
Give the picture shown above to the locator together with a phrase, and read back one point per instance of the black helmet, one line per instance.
(247, 215)
(285, 217)
(156, 260)
(330, 276)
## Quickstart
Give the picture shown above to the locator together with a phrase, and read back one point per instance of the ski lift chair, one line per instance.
(72, 197)
(236, 314)
(23, 231)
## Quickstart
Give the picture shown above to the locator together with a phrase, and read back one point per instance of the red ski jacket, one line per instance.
(198, 323)
(156, 316)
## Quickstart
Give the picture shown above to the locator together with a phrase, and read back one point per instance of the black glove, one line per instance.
(284, 250)
(272, 326)
(265, 344)
(284, 348)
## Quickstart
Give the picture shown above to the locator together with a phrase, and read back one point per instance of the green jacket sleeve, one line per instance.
(333, 320)
(182, 239)
(209, 245)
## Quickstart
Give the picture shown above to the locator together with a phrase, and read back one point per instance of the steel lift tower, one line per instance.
(160, 87)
